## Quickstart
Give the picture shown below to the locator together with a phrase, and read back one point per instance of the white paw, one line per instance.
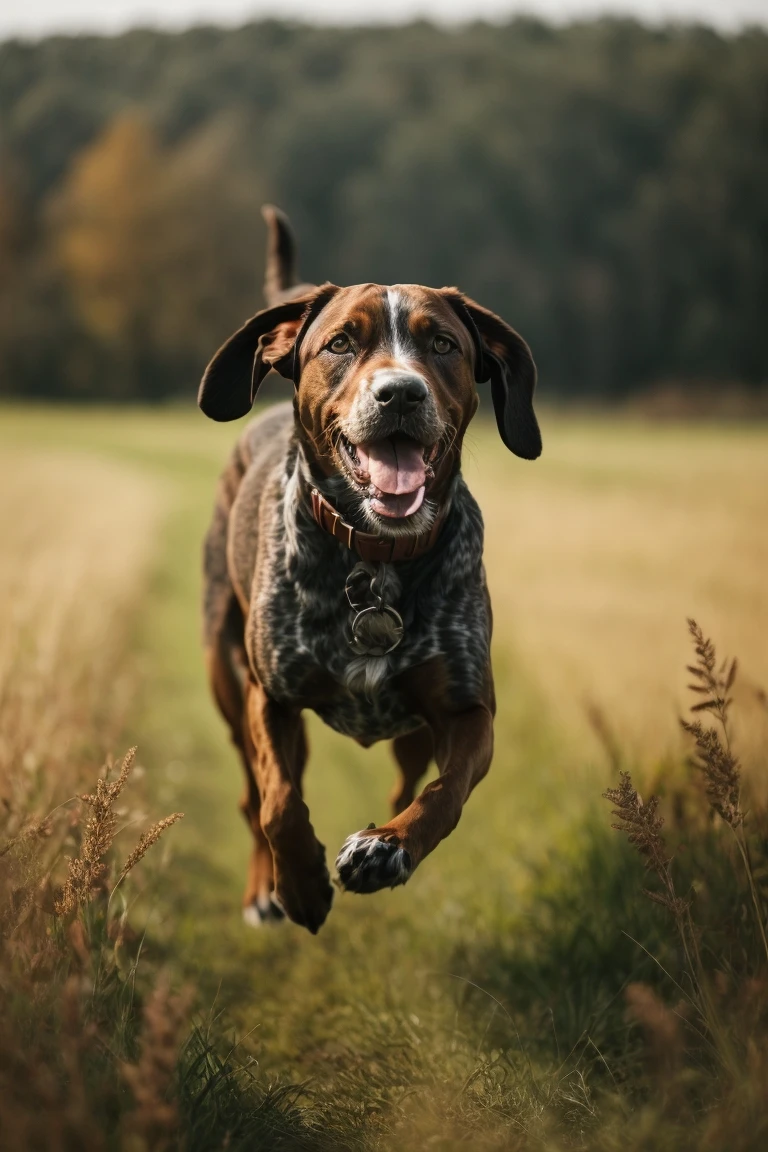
(366, 864)
(263, 910)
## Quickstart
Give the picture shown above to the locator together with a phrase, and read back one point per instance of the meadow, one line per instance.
(521, 991)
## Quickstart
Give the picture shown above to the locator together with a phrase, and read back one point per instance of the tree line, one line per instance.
(602, 186)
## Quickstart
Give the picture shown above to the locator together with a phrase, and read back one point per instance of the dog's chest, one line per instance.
(299, 627)
(305, 637)
(382, 716)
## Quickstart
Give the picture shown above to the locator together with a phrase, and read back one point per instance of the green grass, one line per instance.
(481, 1006)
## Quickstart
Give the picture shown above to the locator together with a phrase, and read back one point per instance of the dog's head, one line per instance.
(385, 382)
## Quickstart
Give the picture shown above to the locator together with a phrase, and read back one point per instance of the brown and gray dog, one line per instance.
(344, 567)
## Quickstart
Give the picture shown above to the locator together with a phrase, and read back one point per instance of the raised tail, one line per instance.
(280, 274)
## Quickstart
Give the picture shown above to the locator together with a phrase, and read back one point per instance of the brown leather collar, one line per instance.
(384, 549)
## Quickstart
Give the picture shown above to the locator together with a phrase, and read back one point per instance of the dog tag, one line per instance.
(376, 631)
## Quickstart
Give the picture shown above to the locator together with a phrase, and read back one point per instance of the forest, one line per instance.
(601, 185)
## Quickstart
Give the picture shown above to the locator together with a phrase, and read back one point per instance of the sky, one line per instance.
(34, 18)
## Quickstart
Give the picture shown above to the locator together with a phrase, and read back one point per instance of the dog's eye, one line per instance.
(340, 344)
(442, 345)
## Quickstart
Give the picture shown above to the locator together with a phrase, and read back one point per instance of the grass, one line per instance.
(484, 1005)
(78, 535)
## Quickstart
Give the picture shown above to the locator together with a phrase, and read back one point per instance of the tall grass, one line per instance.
(73, 1048)
(706, 1026)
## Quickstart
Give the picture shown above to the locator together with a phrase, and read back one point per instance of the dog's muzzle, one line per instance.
(389, 440)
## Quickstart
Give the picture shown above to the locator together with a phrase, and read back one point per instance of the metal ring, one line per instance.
(384, 610)
(354, 605)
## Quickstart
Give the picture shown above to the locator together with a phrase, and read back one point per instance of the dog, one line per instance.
(343, 566)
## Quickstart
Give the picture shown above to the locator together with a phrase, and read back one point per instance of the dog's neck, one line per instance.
(369, 546)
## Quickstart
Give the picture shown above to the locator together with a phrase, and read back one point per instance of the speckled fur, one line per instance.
(288, 576)
(369, 363)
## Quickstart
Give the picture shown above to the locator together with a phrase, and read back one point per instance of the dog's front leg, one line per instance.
(302, 884)
(385, 857)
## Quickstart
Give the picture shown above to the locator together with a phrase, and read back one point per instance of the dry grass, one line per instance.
(77, 535)
(597, 551)
(705, 1048)
(77, 539)
(69, 1026)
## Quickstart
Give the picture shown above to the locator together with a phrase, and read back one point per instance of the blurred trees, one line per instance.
(145, 237)
(106, 224)
(602, 186)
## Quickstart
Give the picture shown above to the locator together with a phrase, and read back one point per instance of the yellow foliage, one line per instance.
(106, 227)
(158, 253)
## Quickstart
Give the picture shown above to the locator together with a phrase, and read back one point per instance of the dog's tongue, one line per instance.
(397, 470)
(395, 466)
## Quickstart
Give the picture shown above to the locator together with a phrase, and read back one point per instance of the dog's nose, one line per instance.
(400, 393)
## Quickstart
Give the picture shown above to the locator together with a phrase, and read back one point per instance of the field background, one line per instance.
(599, 184)
(414, 1009)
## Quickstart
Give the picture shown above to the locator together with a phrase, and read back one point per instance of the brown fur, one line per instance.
(261, 693)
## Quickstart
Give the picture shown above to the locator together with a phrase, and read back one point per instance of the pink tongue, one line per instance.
(395, 466)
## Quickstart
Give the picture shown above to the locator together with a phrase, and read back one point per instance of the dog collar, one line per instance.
(375, 549)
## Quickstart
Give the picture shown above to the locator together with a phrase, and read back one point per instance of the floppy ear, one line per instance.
(504, 358)
(270, 339)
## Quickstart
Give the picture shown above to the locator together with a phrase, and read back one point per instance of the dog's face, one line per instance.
(385, 388)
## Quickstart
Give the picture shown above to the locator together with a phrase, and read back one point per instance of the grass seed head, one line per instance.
(720, 769)
(640, 821)
(714, 758)
(150, 837)
(87, 871)
(642, 826)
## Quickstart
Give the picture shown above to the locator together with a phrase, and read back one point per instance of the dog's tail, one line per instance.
(280, 274)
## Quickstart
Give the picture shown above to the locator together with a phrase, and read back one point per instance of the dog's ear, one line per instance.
(270, 339)
(504, 358)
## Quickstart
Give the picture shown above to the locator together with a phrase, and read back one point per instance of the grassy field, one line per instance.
(484, 1005)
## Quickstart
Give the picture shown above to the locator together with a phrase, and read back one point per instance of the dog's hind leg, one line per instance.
(260, 905)
(302, 884)
(413, 752)
(226, 663)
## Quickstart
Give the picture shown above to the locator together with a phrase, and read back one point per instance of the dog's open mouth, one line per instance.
(392, 472)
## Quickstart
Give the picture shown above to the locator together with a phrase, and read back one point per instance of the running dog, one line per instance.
(343, 567)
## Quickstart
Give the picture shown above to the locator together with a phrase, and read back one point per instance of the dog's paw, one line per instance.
(367, 863)
(305, 898)
(264, 910)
